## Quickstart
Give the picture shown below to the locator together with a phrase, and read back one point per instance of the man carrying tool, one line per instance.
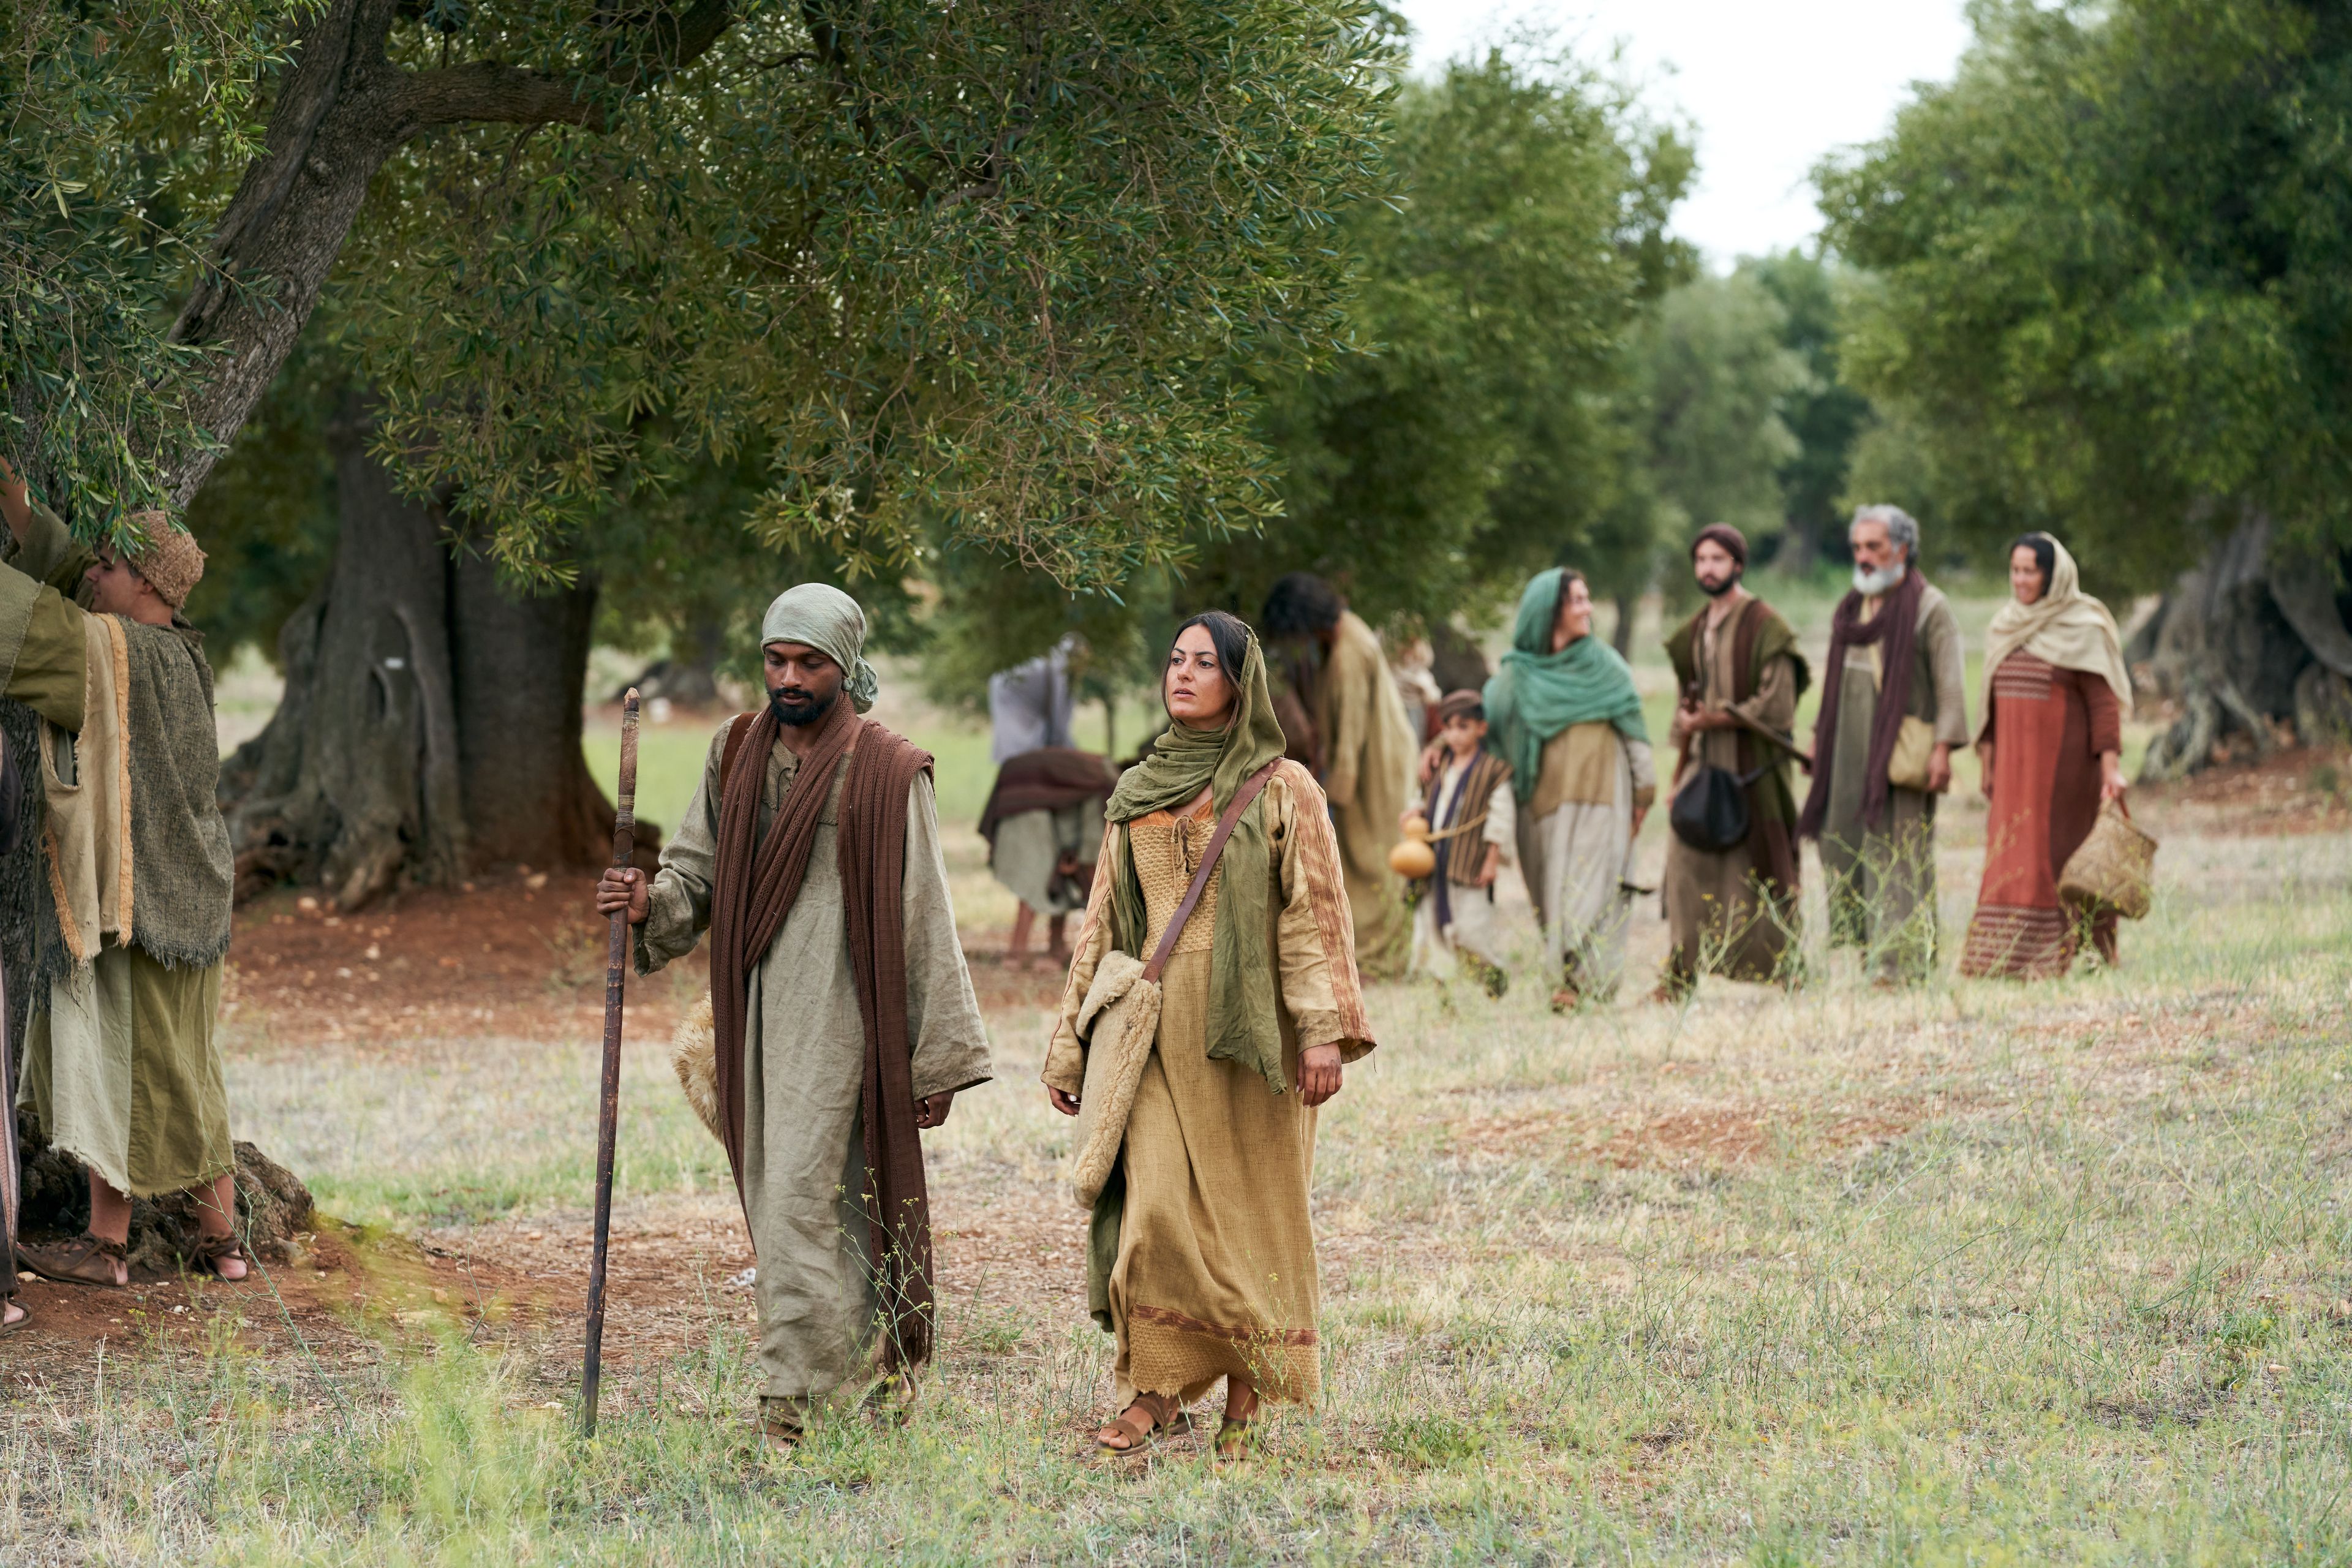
(844, 1017)
(1735, 662)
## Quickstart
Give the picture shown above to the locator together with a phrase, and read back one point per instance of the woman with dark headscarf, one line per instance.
(2056, 694)
(1201, 1254)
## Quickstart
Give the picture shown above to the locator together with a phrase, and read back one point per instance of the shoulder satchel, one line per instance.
(1120, 1019)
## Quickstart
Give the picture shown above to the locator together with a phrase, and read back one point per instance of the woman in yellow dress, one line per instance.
(1201, 1257)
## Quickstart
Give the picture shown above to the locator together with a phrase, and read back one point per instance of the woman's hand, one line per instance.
(1984, 766)
(2111, 776)
(1432, 757)
(1068, 1104)
(1318, 1073)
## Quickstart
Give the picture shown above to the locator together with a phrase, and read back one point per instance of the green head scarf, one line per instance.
(1243, 1025)
(1537, 693)
(829, 621)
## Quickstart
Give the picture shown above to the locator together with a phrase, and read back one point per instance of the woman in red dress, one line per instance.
(2056, 694)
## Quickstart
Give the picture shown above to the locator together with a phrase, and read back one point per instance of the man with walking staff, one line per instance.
(842, 1016)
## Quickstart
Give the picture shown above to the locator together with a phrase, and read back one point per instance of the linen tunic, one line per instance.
(1576, 841)
(1715, 920)
(1031, 844)
(805, 1058)
(1881, 880)
(1215, 1274)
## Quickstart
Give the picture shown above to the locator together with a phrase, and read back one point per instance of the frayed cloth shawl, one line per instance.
(758, 881)
(1537, 693)
(179, 841)
(87, 838)
(1243, 1024)
(2065, 628)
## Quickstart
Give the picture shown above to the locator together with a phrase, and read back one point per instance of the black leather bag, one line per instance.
(1710, 811)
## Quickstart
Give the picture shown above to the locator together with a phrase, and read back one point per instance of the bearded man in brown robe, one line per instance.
(844, 1015)
(1734, 911)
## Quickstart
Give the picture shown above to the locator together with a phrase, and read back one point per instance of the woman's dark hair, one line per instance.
(1569, 577)
(1229, 634)
(2045, 553)
(1300, 605)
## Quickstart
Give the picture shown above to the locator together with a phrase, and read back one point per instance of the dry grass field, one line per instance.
(1977, 1274)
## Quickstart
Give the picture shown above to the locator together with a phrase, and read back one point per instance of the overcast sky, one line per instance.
(1768, 85)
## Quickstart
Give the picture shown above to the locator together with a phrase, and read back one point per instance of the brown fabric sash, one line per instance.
(758, 881)
(1770, 849)
(1896, 628)
(873, 884)
(1051, 778)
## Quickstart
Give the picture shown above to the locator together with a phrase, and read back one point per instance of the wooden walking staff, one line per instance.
(608, 1111)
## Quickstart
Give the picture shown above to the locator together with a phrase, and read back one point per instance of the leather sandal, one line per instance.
(86, 1259)
(22, 1318)
(212, 1249)
(1166, 1418)
(1238, 1438)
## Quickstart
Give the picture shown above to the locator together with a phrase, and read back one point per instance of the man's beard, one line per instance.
(1717, 590)
(803, 710)
(1869, 584)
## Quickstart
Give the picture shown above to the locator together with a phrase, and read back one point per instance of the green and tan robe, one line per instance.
(121, 1069)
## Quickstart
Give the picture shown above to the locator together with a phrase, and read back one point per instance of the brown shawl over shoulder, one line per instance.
(1897, 629)
(1051, 778)
(758, 882)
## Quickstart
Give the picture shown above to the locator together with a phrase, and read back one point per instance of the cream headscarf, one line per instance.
(2065, 628)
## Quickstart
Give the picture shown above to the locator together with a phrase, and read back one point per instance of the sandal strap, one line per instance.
(213, 1249)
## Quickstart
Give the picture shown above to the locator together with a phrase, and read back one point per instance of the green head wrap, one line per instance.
(829, 621)
(1242, 1024)
(1537, 693)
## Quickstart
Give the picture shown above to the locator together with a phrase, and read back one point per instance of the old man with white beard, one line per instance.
(1894, 705)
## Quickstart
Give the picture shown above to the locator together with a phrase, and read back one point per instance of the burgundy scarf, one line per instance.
(1896, 628)
(758, 882)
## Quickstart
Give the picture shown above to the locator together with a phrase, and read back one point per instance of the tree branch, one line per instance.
(488, 91)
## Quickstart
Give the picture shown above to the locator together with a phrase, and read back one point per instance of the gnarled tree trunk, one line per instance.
(431, 718)
(2251, 641)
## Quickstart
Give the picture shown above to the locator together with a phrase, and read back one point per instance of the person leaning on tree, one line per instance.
(1733, 911)
(121, 1069)
(1895, 656)
(842, 1014)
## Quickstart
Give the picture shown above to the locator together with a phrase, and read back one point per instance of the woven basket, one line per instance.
(2115, 868)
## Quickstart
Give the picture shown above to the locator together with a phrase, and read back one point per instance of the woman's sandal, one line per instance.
(86, 1259)
(212, 1249)
(1166, 1416)
(1238, 1438)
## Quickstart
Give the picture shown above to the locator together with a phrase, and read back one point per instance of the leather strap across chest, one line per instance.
(1225, 824)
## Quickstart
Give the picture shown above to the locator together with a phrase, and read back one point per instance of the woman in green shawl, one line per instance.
(1201, 1260)
(1563, 712)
